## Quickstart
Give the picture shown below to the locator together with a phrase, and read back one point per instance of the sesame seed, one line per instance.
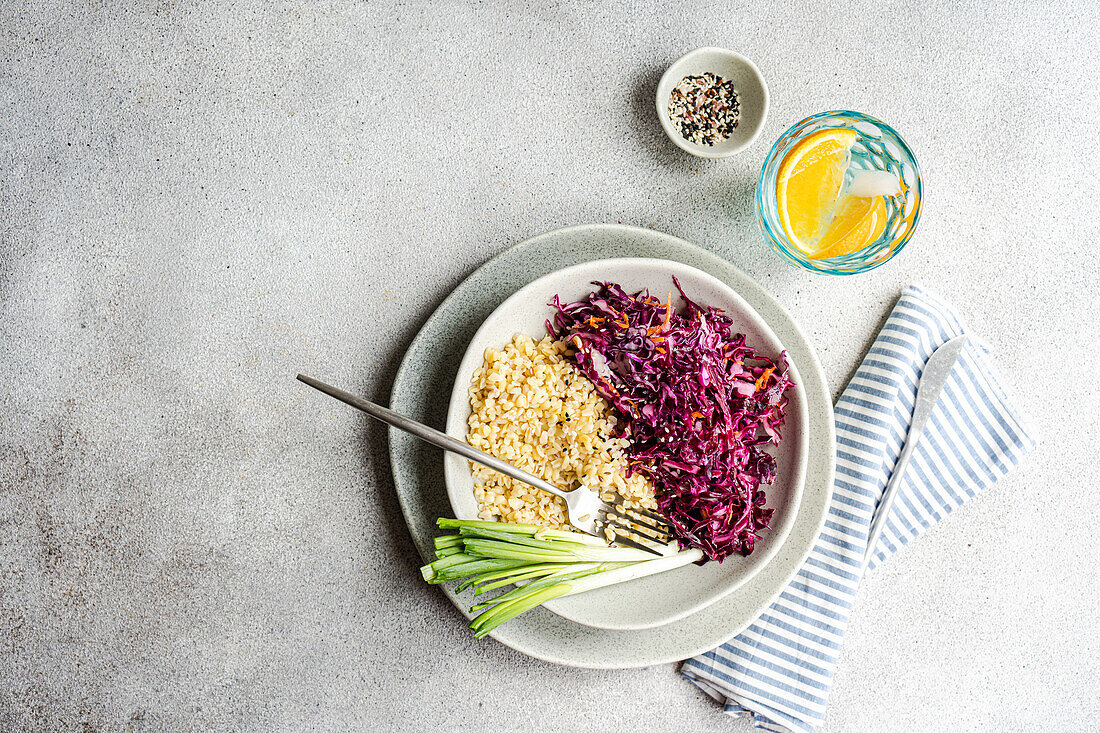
(704, 108)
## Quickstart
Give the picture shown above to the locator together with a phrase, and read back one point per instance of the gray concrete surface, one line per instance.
(198, 201)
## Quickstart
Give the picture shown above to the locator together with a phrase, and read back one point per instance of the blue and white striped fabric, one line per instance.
(780, 668)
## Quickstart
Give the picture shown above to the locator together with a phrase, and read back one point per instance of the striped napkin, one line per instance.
(780, 668)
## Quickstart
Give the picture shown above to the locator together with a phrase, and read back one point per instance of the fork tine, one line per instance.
(617, 501)
(615, 523)
(636, 545)
(622, 512)
(627, 524)
(653, 516)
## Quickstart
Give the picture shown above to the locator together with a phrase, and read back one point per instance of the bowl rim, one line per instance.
(458, 410)
(702, 151)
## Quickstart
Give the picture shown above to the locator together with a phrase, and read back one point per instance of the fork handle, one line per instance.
(433, 436)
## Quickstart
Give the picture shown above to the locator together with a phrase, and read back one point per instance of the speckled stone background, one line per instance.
(198, 201)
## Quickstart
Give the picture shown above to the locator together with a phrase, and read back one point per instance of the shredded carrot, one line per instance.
(664, 324)
(764, 378)
(697, 414)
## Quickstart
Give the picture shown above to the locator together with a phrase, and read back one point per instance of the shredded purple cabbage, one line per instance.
(697, 404)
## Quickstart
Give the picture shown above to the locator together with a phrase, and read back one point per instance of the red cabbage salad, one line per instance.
(697, 404)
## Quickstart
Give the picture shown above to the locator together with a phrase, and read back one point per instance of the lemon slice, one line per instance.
(858, 221)
(808, 184)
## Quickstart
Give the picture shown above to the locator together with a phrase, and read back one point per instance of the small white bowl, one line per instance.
(747, 80)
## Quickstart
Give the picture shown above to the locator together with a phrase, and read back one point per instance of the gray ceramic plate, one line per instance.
(422, 390)
(660, 599)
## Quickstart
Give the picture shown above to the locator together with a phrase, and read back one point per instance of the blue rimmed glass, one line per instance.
(878, 146)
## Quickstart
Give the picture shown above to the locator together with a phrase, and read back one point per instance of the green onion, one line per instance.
(553, 551)
(453, 567)
(545, 563)
(448, 540)
(522, 591)
(536, 572)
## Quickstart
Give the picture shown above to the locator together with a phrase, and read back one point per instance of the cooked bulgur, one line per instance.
(532, 408)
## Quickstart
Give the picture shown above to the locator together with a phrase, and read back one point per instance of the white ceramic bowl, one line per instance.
(747, 80)
(671, 596)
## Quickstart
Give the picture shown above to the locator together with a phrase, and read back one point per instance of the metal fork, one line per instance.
(609, 516)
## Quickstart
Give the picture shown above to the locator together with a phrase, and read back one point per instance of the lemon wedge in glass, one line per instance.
(809, 182)
(817, 213)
